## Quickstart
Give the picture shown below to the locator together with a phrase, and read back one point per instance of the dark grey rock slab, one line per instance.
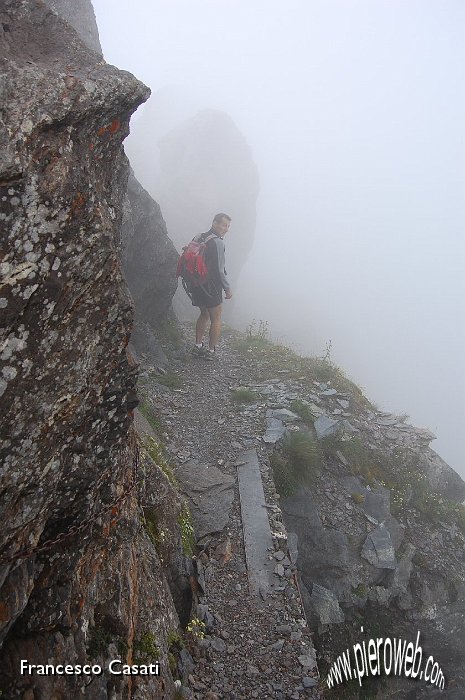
(379, 550)
(275, 430)
(400, 578)
(326, 606)
(325, 426)
(395, 529)
(283, 414)
(377, 504)
(210, 494)
(256, 527)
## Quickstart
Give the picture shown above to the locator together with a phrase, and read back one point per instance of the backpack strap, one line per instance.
(204, 237)
(210, 237)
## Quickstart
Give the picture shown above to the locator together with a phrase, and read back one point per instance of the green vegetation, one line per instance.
(303, 410)
(169, 332)
(416, 492)
(360, 590)
(150, 416)
(364, 461)
(175, 640)
(196, 629)
(274, 357)
(155, 451)
(187, 531)
(303, 452)
(159, 535)
(298, 464)
(256, 337)
(156, 533)
(285, 480)
(100, 637)
(402, 473)
(175, 644)
(358, 497)
(244, 396)
(170, 379)
(98, 641)
(146, 649)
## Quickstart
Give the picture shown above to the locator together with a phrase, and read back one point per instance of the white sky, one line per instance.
(355, 113)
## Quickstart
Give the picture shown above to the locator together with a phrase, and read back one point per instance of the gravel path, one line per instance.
(253, 648)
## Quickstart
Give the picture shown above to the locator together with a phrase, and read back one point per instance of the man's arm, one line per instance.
(221, 267)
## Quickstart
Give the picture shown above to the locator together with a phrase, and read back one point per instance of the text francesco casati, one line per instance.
(116, 667)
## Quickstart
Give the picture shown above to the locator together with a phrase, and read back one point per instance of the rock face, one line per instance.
(81, 581)
(149, 257)
(149, 263)
(80, 15)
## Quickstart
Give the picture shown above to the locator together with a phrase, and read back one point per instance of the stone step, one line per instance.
(258, 542)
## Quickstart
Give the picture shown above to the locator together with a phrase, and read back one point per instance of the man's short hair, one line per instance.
(218, 218)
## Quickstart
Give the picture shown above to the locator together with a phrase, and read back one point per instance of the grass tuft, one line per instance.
(299, 464)
(301, 409)
(244, 396)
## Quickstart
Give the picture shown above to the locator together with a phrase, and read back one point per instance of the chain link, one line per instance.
(74, 529)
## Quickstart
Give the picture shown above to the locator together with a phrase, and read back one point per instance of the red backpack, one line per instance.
(191, 264)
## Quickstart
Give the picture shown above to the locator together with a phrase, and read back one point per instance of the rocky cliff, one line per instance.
(81, 16)
(149, 262)
(81, 580)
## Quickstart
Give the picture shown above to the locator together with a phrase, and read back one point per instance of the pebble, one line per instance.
(277, 646)
(217, 644)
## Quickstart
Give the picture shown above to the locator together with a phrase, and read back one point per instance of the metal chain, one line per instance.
(74, 529)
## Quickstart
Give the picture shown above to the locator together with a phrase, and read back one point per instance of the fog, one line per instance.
(355, 113)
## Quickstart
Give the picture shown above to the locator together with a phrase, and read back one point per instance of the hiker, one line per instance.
(208, 295)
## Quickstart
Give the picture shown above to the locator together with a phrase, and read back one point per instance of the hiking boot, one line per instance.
(210, 355)
(198, 352)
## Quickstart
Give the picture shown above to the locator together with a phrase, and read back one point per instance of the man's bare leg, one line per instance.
(215, 326)
(201, 325)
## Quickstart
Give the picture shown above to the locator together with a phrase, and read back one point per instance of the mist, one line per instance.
(355, 116)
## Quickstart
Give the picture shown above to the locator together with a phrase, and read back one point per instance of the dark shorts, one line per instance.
(208, 296)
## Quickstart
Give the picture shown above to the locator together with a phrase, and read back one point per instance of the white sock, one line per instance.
(199, 345)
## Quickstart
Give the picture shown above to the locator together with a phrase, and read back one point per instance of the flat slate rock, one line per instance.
(275, 430)
(379, 550)
(256, 527)
(325, 426)
(282, 414)
(377, 504)
(210, 493)
(326, 605)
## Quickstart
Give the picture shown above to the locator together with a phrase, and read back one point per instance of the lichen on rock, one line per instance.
(73, 556)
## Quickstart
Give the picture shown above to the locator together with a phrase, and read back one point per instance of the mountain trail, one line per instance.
(213, 414)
